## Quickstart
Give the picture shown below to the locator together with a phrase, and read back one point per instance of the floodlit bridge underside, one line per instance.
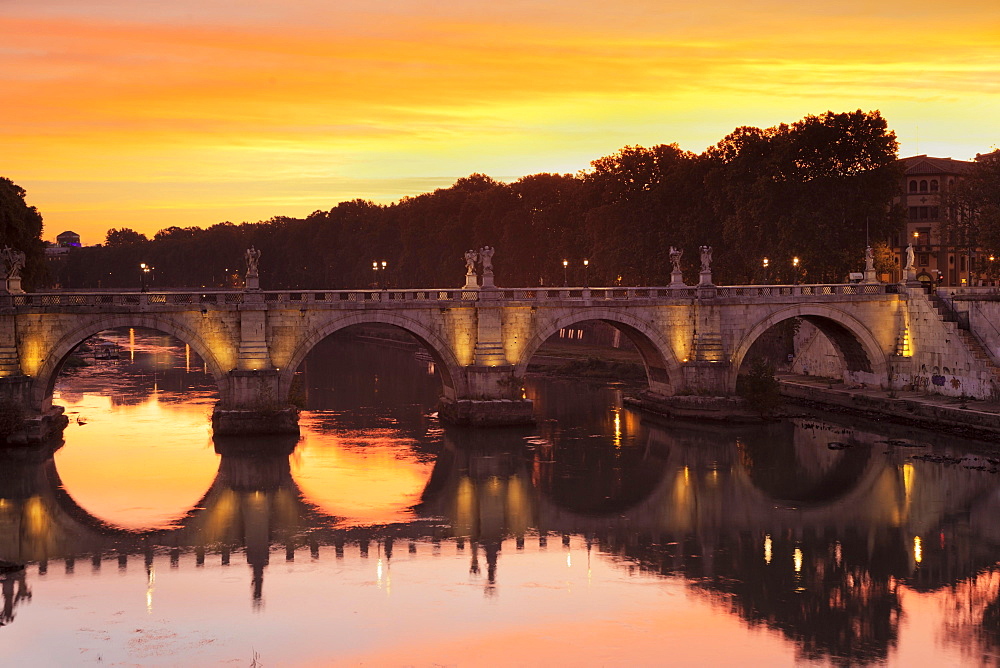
(691, 340)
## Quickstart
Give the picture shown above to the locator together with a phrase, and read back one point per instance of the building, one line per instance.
(68, 239)
(939, 260)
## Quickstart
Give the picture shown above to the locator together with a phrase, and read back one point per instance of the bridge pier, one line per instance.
(19, 424)
(707, 377)
(494, 399)
(251, 406)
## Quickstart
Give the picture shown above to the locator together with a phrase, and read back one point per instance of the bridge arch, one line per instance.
(45, 377)
(452, 378)
(856, 345)
(663, 371)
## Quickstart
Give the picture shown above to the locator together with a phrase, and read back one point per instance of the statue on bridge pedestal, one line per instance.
(706, 258)
(252, 256)
(11, 264)
(471, 257)
(909, 269)
(676, 277)
(486, 257)
(705, 278)
(869, 266)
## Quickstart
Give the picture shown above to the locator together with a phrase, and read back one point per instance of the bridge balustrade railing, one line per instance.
(596, 294)
(372, 297)
(807, 290)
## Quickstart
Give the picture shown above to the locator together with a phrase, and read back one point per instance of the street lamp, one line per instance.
(767, 263)
(795, 270)
(375, 275)
(565, 274)
(144, 270)
(586, 278)
(385, 280)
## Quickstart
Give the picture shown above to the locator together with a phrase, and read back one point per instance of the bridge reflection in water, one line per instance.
(766, 521)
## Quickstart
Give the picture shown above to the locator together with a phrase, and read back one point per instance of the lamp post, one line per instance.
(586, 271)
(766, 265)
(565, 274)
(795, 270)
(144, 270)
(385, 280)
(375, 275)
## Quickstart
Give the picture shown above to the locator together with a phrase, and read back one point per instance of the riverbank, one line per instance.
(968, 417)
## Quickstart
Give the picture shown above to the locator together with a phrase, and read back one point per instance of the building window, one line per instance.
(923, 186)
(923, 259)
(913, 186)
(934, 185)
(935, 212)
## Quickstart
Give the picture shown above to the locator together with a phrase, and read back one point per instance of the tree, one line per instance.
(971, 209)
(123, 237)
(817, 190)
(21, 228)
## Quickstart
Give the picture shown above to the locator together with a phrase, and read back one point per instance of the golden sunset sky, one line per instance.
(192, 112)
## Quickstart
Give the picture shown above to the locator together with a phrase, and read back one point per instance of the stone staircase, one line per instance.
(959, 326)
(708, 348)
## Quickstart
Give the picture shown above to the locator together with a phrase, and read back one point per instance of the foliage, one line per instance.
(759, 387)
(971, 207)
(123, 237)
(21, 228)
(810, 189)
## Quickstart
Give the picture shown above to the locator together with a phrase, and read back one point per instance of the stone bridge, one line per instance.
(692, 340)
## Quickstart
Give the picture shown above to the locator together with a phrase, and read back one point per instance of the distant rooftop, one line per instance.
(922, 164)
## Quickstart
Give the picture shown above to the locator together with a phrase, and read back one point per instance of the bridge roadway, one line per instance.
(692, 340)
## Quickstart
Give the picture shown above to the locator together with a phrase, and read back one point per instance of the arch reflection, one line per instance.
(767, 536)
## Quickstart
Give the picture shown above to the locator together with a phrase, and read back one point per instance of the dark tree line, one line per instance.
(21, 228)
(812, 190)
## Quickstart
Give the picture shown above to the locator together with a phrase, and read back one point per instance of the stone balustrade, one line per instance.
(380, 298)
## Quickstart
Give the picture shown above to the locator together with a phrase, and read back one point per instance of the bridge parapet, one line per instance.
(425, 296)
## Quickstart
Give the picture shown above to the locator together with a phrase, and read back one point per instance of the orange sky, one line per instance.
(117, 113)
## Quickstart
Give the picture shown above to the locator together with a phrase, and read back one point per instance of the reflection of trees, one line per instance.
(15, 589)
(834, 596)
(584, 477)
(708, 504)
(790, 461)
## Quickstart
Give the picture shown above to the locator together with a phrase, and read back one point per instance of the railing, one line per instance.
(808, 290)
(386, 297)
(233, 297)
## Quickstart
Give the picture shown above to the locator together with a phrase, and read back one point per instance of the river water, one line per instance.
(380, 537)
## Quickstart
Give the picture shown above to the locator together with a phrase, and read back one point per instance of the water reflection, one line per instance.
(832, 536)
